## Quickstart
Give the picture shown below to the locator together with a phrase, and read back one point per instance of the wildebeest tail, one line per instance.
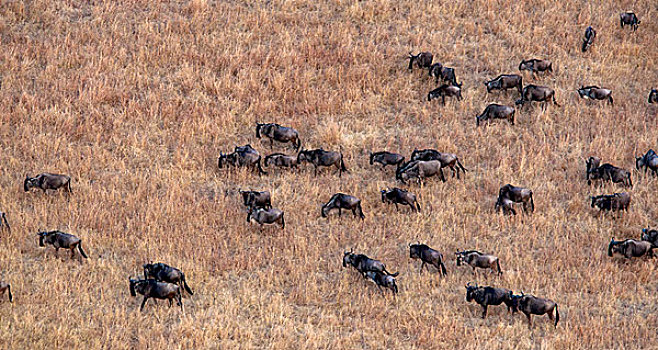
(532, 203)
(283, 221)
(11, 297)
(554, 101)
(361, 215)
(69, 186)
(187, 288)
(342, 163)
(417, 205)
(443, 269)
(500, 271)
(628, 176)
(82, 252)
(610, 99)
(4, 219)
(557, 315)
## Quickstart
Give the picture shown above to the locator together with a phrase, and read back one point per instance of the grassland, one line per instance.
(135, 100)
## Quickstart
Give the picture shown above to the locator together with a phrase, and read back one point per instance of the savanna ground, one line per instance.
(135, 100)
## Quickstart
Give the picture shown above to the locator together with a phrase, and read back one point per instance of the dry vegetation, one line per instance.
(135, 100)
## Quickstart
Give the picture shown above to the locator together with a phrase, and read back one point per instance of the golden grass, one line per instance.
(136, 99)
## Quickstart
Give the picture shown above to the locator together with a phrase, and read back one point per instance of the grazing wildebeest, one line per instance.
(449, 160)
(386, 158)
(532, 305)
(445, 90)
(479, 260)
(342, 201)
(594, 92)
(164, 273)
(429, 256)
(158, 290)
(653, 96)
(486, 296)
(267, 216)
(504, 82)
(535, 65)
(242, 156)
(256, 199)
(537, 93)
(400, 196)
(320, 157)
(5, 287)
(280, 160)
(629, 19)
(496, 111)
(509, 194)
(420, 170)
(588, 40)
(446, 74)
(3, 222)
(423, 60)
(650, 236)
(363, 264)
(59, 239)
(612, 202)
(606, 172)
(48, 181)
(276, 132)
(648, 161)
(630, 248)
(383, 280)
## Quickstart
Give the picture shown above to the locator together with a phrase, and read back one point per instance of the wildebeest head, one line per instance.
(460, 258)
(414, 250)
(258, 127)
(650, 235)
(29, 182)
(525, 65)
(471, 291)
(132, 286)
(347, 258)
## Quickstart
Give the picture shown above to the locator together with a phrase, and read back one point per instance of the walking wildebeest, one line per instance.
(363, 264)
(486, 296)
(280, 160)
(267, 216)
(630, 248)
(3, 222)
(48, 181)
(479, 260)
(537, 93)
(443, 91)
(446, 74)
(5, 287)
(157, 290)
(242, 156)
(59, 239)
(320, 157)
(594, 92)
(400, 196)
(164, 273)
(449, 160)
(383, 280)
(648, 161)
(606, 172)
(420, 170)
(535, 65)
(256, 199)
(429, 256)
(509, 194)
(386, 158)
(588, 40)
(629, 19)
(504, 82)
(612, 202)
(496, 111)
(343, 201)
(653, 96)
(650, 236)
(532, 305)
(276, 132)
(423, 60)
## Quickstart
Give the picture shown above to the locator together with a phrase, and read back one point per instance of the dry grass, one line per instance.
(135, 100)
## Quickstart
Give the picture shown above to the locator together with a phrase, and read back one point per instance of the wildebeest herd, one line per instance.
(162, 281)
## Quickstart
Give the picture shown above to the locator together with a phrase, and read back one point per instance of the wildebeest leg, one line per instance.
(484, 310)
(340, 212)
(271, 143)
(72, 252)
(143, 303)
(57, 252)
(170, 299)
(443, 178)
(396, 206)
(316, 170)
(421, 267)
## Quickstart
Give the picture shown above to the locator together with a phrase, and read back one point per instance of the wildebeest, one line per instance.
(446, 74)
(653, 96)
(650, 236)
(535, 65)
(537, 93)
(630, 248)
(257, 199)
(532, 305)
(486, 296)
(612, 202)
(449, 160)
(342, 201)
(164, 273)
(276, 132)
(6, 287)
(509, 194)
(443, 91)
(151, 288)
(280, 160)
(383, 280)
(386, 158)
(48, 181)
(479, 260)
(423, 60)
(648, 161)
(594, 92)
(59, 239)
(400, 196)
(267, 216)
(363, 263)
(429, 256)
(606, 172)
(242, 156)
(504, 82)
(496, 111)
(420, 170)
(320, 157)
(629, 19)
(588, 40)
(3, 221)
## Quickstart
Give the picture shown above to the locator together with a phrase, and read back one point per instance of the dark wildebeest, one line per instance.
(650, 236)
(420, 170)
(486, 296)
(164, 273)
(400, 196)
(59, 239)
(480, 260)
(535, 66)
(496, 111)
(629, 19)
(267, 216)
(443, 91)
(509, 194)
(449, 160)
(256, 199)
(531, 305)
(342, 201)
(280, 160)
(537, 93)
(630, 248)
(429, 256)
(243, 156)
(588, 40)
(363, 264)
(3, 222)
(157, 290)
(423, 60)
(653, 96)
(648, 161)
(612, 202)
(276, 132)
(606, 172)
(386, 158)
(594, 92)
(383, 280)
(5, 287)
(48, 181)
(504, 82)
(446, 74)
(320, 157)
